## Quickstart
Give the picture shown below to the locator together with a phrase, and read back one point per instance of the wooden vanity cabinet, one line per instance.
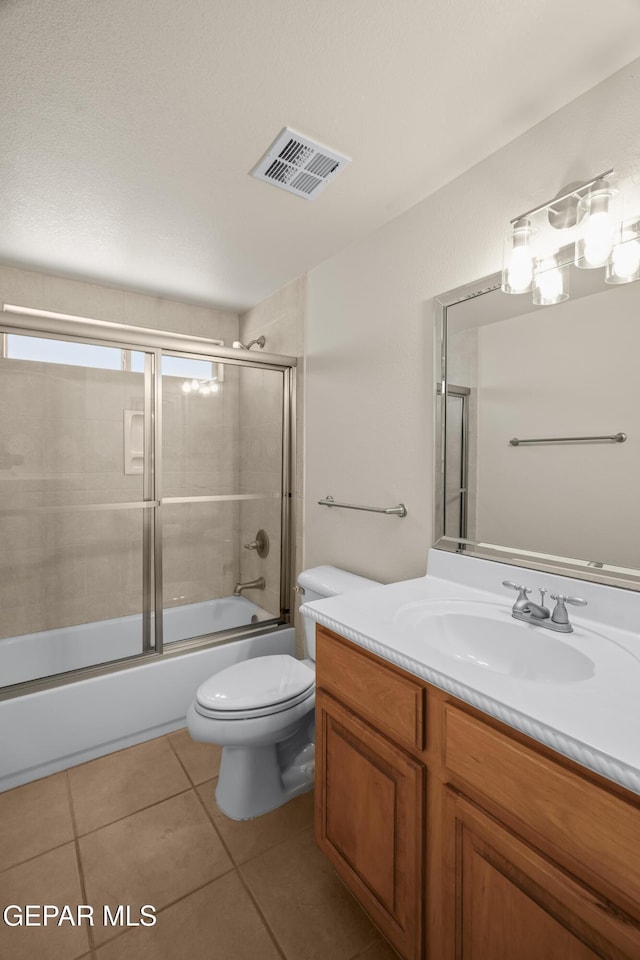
(463, 839)
(370, 821)
(369, 788)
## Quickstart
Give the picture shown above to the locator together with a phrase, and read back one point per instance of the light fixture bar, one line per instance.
(583, 188)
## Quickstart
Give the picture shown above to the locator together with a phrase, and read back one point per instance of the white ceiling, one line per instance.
(128, 127)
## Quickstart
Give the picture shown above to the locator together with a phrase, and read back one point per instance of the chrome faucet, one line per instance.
(536, 613)
(257, 584)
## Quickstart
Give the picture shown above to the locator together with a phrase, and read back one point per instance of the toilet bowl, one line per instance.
(261, 712)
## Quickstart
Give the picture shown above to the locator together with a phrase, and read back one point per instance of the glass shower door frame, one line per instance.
(288, 461)
(151, 634)
(154, 344)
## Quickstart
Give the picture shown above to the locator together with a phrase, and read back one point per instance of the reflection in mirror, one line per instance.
(560, 376)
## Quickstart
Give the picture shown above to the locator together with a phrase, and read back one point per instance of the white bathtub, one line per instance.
(49, 652)
(48, 730)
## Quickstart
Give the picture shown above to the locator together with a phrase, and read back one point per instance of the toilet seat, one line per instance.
(255, 688)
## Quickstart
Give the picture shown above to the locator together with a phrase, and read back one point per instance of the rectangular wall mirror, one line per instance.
(538, 428)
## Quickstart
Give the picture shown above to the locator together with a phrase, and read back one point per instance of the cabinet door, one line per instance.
(369, 821)
(507, 901)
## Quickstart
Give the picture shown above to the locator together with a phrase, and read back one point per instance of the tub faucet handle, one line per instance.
(260, 544)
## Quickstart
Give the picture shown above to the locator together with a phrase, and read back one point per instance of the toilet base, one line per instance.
(257, 775)
(251, 782)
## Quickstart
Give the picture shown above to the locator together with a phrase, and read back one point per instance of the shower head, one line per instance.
(259, 341)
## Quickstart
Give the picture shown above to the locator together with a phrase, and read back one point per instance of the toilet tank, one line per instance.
(325, 581)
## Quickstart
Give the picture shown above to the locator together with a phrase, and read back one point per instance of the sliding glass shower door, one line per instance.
(223, 433)
(76, 505)
(144, 495)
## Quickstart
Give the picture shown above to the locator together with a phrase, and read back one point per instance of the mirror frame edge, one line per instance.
(561, 566)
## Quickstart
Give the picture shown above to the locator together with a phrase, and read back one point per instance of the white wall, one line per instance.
(369, 367)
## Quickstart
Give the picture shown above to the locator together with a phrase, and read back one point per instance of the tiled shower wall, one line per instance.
(200, 455)
(60, 437)
(281, 318)
(61, 444)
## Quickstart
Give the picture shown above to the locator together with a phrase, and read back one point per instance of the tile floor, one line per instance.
(140, 826)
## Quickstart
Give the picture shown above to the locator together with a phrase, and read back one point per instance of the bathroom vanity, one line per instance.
(459, 836)
(462, 834)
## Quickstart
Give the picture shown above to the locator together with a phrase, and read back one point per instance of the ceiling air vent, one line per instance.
(299, 165)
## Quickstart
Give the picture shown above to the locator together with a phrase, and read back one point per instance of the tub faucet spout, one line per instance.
(257, 584)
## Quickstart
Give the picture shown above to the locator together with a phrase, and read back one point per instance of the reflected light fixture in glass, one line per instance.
(203, 388)
(550, 282)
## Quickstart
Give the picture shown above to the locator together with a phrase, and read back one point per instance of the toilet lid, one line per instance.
(260, 684)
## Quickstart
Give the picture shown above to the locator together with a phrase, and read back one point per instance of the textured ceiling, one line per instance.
(128, 128)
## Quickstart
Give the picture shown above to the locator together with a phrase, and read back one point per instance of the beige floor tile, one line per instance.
(248, 838)
(51, 878)
(34, 818)
(117, 785)
(152, 857)
(218, 922)
(309, 910)
(200, 760)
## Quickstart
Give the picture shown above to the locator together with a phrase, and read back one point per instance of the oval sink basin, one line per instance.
(486, 636)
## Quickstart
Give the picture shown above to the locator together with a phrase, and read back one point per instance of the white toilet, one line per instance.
(261, 712)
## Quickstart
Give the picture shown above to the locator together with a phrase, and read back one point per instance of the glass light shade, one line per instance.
(624, 263)
(550, 282)
(517, 271)
(186, 386)
(597, 227)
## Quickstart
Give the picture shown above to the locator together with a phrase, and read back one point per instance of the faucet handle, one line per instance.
(516, 586)
(521, 600)
(560, 614)
(260, 544)
(576, 601)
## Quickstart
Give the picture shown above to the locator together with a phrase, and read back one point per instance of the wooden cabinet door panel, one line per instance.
(594, 829)
(369, 821)
(510, 903)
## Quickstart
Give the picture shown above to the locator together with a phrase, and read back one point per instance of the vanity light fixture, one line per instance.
(581, 225)
(596, 226)
(517, 275)
(624, 263)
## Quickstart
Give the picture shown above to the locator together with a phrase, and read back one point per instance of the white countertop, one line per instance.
(594, 720)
